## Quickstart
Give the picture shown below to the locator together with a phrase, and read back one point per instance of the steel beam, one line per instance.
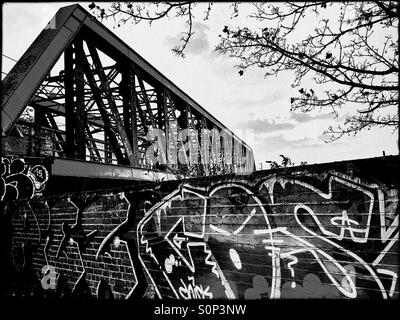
(111, 102)
(102, 109)
(145, 99)
(60, 140)
(69, 101)
(24, 79)
(80, 114)
(127, 89)
(77, 168)
(134, 106)
(156, 107)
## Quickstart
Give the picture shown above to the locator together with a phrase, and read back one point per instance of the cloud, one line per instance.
(278, 142)
(301, 117)
(264, 126)
(202, 27)
(198, 43)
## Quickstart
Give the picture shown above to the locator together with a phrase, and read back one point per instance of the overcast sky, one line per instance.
(240, 102)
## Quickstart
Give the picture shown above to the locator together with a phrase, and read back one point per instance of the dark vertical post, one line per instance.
(134, 106)
(69, 101)
(160, 108)
(80, 103)
(126, 101)
(107, 148)
(166, 124)
(128, 91)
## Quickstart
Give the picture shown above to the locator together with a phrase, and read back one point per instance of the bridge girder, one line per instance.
(103, 102)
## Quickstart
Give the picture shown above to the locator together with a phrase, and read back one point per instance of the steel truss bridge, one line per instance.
(84, 98)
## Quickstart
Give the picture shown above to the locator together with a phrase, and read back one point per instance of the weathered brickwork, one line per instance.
(319, 231)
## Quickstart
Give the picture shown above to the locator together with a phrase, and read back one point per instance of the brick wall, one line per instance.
(318, 231)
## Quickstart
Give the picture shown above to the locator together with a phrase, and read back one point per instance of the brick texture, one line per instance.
(318, 231)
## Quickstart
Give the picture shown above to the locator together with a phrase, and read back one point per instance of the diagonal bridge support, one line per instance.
(80, 95)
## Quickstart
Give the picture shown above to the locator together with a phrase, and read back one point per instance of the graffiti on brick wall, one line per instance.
(278, 239)
(19, 180)
(275, 238)
(125, 233)
(79, 246)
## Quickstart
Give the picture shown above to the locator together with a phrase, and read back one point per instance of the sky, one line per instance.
(246, 104)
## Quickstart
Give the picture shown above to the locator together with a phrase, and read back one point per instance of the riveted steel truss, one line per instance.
(99, 102)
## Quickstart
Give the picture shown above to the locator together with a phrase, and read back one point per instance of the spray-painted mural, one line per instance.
(291, 240)
(63, 242)
(329, 236)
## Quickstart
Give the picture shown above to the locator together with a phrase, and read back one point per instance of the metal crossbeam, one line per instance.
(111, 103)
(100, 107)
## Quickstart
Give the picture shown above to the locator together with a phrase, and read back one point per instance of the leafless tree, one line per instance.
(352, 59)
(135, 12)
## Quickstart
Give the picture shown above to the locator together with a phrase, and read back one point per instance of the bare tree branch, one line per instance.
(352, 58)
